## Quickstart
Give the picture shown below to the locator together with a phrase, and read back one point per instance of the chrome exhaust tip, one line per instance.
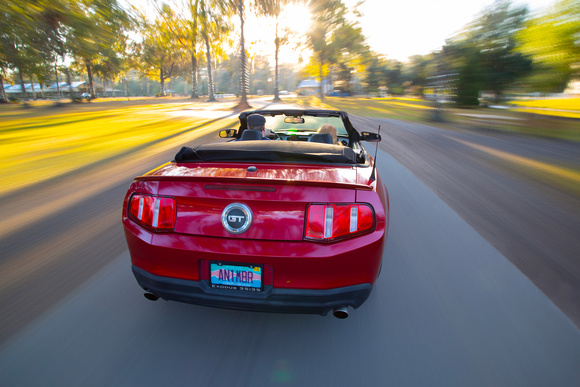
(151, 296)
(340, 312)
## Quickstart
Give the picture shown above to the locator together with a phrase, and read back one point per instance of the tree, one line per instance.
(349, 48)
(162, 57)
(327, 16)
(417, 71)
(19, 39)
(213, 32)
(552, 40)
(244, 81)
(96, 26)
(273, 8)
(486, 55)
(186, 31)
(337, 42)
(193, 37)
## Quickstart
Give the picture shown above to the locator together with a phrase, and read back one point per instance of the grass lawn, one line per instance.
(43, 142)
(571, 104)
(553, 123)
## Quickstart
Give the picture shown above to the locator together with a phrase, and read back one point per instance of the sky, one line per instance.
(402, 28)
(394, 28)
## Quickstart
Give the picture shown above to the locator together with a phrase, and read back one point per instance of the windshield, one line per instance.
(311, 124)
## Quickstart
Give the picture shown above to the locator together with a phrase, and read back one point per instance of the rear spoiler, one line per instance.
(247, 182)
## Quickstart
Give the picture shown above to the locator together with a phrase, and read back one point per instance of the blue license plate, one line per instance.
(236, 277)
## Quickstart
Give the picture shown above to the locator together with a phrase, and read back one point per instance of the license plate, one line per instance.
(236, 277)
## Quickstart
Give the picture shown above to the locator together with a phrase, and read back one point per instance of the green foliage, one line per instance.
(162, 57)
(486, 55)
(552, 39)
(501, 49)
(334, 40)
(384, 74)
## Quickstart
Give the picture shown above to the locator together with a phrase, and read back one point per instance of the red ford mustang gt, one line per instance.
(295, 224)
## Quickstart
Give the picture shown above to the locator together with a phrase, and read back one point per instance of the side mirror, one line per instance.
(370, 137)
(228, 133)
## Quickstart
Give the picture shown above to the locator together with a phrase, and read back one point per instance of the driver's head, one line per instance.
(257, 122)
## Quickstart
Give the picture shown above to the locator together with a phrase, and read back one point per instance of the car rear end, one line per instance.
(264, 237)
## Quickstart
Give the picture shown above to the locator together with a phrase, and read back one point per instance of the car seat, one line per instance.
(251, 134)
(321, 137)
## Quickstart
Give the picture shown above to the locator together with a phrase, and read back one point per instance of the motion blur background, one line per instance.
(467, 52)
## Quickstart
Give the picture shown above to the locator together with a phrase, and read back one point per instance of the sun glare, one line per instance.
(260, 32)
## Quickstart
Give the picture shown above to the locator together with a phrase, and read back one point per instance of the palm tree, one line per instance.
(273, 8)
(244, 84)
(213, 31)
(193, 8)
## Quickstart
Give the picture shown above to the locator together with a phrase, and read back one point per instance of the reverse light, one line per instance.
(327, 222)
(156, 213)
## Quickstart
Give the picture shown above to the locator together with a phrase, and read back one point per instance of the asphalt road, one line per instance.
(514, 190)
(448, 309)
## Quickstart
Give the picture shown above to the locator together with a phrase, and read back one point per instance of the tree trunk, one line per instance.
(321, 91)
(162, 81)
(57, 80)
(193, 10)
(209, 74)
(22, 87)
(90, 74)
(244, 84)
(32, 88)
(194, 93)
(3, 97)
(276, 79)
(70, 88)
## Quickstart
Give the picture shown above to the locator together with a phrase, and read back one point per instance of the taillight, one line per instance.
(154, 212)
(326, 222)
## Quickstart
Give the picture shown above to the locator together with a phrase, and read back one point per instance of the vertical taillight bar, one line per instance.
(353, 218)
(155, 221)
(141, 203)
(328, 216)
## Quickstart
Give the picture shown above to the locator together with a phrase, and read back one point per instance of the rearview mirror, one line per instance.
(370, 137)
(228, 133)
(294, 120)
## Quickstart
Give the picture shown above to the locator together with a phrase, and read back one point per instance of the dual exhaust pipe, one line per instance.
(151, 296)
(341, 312)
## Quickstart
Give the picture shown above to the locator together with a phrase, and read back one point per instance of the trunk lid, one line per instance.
(276, 195)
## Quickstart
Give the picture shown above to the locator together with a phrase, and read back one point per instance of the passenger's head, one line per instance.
(257, 122)
(327, 128)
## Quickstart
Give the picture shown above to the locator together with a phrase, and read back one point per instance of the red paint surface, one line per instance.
(278, 196)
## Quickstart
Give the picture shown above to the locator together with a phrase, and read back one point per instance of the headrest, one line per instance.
(321, 137)
(251, 134)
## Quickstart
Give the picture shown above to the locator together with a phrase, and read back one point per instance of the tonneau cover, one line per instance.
(268, 151)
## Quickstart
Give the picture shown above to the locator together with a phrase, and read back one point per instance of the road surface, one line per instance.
(448, 309)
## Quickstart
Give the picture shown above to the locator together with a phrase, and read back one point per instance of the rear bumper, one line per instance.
(270, 300)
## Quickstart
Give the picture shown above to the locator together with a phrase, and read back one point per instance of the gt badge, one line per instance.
(237, 218)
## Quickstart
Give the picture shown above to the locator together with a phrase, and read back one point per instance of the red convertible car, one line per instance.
(294, 224)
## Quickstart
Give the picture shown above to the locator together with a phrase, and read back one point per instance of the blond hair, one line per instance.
(327, 128)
